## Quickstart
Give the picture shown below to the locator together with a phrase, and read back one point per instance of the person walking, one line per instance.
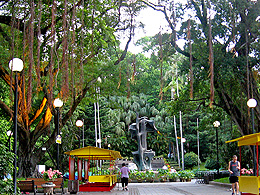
(234, 170)
(124, 176)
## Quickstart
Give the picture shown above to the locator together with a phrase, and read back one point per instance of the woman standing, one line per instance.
(234, 168)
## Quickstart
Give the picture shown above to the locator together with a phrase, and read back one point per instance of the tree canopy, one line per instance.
(67, 45)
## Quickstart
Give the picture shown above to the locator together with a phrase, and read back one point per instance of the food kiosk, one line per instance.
(84, 157)
(248, 184)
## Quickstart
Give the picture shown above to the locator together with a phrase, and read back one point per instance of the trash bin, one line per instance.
(206, 178)
(73, 186)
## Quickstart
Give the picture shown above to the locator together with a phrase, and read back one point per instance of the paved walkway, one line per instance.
(175, 188)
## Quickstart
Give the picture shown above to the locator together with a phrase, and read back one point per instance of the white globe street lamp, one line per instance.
(16, 65)
(216, 124)
(80, 123)
(57, 103)
(252, 103)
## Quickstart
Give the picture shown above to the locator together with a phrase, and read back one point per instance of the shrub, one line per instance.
(6, 162)
(211, 164)
(163, 174)
(150, 176)
(190, 159)
(173, 175)
(186, 174)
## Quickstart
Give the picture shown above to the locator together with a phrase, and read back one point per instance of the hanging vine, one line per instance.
(211, 63)
(51, 67)
(161, 66)
(38, 67)
(65, 81)
(31, 60)
(191, 60)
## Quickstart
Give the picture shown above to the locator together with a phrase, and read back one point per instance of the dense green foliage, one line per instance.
(159, 86)
(190, 159)
(211, 164)
(6, 162)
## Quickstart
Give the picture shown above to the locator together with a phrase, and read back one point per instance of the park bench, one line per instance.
(27, 186)
(39, 181)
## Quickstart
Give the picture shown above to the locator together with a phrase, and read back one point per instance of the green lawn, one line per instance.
(222, 180)
(202, 166)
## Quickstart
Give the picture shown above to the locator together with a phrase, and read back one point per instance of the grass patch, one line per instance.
(202, 166)
(222, 180)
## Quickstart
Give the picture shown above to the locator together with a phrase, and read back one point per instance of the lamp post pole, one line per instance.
(57, 104)
(251, 103)
(216, 125)
(58, 133)
(16, 65)
(15, 130)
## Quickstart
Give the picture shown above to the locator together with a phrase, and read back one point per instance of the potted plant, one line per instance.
(131, 176)
(190, 175)
(245, 172)
(51, 175)
(173, 176)
(150, 176)
(162, 173)
(140, 176)
(183, 175)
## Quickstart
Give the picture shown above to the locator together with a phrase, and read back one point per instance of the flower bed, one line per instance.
(245, 172)
(161, 175)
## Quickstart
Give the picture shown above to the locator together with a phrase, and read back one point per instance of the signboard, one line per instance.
(58, 139)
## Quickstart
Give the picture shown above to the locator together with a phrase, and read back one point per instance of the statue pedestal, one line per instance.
(147, 159)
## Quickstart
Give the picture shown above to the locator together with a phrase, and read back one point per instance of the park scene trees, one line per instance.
(203, 61)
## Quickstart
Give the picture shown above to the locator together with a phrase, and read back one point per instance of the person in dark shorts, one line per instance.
(124, 176)
(234, 170)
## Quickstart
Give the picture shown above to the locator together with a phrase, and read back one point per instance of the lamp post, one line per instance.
(80, 123)
(57, 104)
(251, 103)
(16, 65)
(216, 125)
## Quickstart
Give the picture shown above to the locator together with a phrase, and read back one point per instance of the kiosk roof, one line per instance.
(245, 140)
(95, 153)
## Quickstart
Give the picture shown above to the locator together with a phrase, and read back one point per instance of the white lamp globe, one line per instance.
(216, 124)
(9, 133)
(251, 103)
(79, 123)
(58, 103)
(99, 79)
(16, 64)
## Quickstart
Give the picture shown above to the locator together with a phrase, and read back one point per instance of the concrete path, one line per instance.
(175, 188)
